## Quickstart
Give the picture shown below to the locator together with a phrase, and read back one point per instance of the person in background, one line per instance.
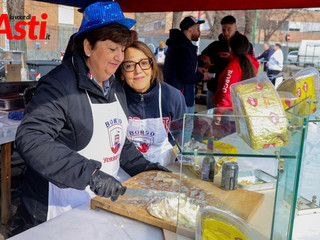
(160, 52)
(217, 55)
(275, 63)
(152, 104)
(242, 66)
(268, 51)
(181, 64)
(73, 134)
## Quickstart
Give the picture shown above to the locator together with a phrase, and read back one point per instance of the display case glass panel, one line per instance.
(225, 137)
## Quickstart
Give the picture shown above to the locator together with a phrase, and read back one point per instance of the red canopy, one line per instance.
(193, 5)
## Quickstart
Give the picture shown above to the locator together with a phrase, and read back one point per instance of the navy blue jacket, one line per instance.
(181, 65)
(57, 124)
(266, 54)
(146, 105)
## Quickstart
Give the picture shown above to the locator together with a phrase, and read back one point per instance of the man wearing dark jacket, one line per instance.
(181, 63)
(268, 51)
(217, 54)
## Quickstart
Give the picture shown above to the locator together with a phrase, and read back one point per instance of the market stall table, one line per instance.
(8, 130)
(85, 223)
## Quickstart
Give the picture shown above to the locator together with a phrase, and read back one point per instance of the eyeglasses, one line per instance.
(130, 66)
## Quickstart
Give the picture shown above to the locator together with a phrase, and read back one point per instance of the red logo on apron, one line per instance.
(144, 147)
(252, 101)
(142, 142)
(114, 136)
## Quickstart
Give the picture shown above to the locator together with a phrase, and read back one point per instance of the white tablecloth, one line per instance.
(8, 128)
(85, 223)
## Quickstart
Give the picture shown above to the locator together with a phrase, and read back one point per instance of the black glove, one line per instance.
(105, 185)
(156, 166)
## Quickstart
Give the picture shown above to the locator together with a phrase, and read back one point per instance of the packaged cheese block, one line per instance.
(304, 84)
(288, 99)
(217, 224)
(261, 122)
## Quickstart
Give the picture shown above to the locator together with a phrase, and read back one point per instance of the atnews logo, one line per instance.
(28, 20)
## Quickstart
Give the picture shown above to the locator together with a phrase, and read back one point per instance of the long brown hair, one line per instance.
(156, 72)
(240, 45)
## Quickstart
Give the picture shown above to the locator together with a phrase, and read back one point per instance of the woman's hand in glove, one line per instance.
(105, 185)
(156, 166)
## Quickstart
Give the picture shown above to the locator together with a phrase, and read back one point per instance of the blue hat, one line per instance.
(101, 14)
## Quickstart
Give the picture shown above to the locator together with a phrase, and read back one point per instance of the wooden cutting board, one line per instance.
(240, 202)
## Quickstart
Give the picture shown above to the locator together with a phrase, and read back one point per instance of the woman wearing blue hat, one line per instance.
(73, 135)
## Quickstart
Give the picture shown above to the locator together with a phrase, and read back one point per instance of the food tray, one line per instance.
(11, 102)
(257, 179)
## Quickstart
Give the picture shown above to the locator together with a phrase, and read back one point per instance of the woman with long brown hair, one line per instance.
(241, 66)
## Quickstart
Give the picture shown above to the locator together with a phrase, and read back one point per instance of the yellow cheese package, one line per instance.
(221, 147)
(305, 83)
(260, 117)
(213, 147)
(216, 224)
(288, 99)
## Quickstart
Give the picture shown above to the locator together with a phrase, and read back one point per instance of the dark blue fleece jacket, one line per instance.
(181, 65)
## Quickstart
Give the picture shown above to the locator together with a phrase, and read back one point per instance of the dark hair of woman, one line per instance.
(113, 32)
(156, 72)
(240, 45)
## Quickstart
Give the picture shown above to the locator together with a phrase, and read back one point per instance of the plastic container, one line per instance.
(39, 68)
(216, 224)
(305, 83)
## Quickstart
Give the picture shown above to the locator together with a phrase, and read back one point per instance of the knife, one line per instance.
(150, 193)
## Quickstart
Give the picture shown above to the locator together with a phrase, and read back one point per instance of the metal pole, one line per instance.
(254, 27)
(198, 42)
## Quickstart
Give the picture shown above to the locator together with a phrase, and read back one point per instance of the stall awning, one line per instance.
(194, 5)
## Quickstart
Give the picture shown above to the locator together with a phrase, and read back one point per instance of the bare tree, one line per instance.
(16, 8)
(273, 20)
(176, 19)
(214, 18)
(249, 22)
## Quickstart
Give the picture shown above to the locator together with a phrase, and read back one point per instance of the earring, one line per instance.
(89, 54)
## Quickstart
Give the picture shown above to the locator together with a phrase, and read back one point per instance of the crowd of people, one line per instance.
(108, 106)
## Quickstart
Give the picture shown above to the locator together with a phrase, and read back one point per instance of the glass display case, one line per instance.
(276, 181)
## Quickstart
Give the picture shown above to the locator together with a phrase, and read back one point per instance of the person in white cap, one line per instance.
(73, 135)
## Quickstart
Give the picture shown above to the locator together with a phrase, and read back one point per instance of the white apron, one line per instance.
(151, 139)
(109, 127)
(161, 56)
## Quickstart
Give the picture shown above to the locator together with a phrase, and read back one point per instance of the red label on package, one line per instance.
(252, 101)
(305, 87)
(299, 92)
(259, 86)
(281, 138)
(269, 145)
(273, 118)
(288, 103)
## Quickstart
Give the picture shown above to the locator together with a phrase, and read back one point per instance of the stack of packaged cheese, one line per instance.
(303, 85)
(261, 120)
